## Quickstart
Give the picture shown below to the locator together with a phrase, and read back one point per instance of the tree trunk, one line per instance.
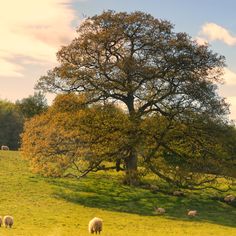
(131, 161)
(131, 173)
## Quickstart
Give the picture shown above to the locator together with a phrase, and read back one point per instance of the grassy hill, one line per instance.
(63, 207)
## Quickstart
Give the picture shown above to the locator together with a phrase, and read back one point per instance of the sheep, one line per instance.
(178, 193)
(4, 147)
(160, 210)
(192, 213)
(229, 198)
(0, 221)
(8, 221)
(95, 225)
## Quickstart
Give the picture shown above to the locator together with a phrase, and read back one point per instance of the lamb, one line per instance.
(192, 213)
(8, 221)
(160, 210)
(229, 198)
(3, 147)
(0, 221)
(178, 193)
(95, 225)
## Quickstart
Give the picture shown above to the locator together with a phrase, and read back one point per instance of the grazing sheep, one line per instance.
(160, 210)
(95, 225)
(229, 198)
(8, 221)
(178, 193)
(3, 147)
(192, 213)
(0, 221)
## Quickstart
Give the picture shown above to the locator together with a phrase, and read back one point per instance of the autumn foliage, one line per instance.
(73, 139)
(172, 121)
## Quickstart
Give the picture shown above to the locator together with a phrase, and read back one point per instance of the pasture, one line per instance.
(63, 207)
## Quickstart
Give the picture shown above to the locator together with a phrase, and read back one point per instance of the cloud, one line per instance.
(228, 89)
(8, 69)
(229, 77)
(33, 30)
(232, 101)
(212, 32)
(201, 41)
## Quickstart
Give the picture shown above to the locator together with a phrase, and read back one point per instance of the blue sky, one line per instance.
(33, 31)
(186, 15)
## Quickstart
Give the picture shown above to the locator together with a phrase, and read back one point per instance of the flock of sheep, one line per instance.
(161, 211)
(192, 213)
(95, 225)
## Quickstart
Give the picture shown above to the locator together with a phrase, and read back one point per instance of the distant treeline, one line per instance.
(13, 116)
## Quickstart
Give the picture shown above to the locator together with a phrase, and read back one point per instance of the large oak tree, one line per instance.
(152, 72)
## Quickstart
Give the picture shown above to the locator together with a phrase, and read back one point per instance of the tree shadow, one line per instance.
(106, 192)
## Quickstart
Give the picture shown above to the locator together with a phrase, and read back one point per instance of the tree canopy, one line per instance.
(72, 139)
(139, 61)
(11, 125)
(165, 82)
(32, 105)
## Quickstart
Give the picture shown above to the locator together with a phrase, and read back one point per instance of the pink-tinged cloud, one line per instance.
(201, 41)
(212, 32)
(34, 30)
(8, 69)
(229, 77)
(232, 101)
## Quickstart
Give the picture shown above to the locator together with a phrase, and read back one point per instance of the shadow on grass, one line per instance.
(105, 192)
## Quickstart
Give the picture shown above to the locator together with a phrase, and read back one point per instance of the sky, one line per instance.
(32, 31)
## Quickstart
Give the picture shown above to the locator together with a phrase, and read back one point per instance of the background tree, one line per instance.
(11, 125)
(139, 62)
(32, 105)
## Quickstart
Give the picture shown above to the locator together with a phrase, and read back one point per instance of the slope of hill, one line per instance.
(62, 207)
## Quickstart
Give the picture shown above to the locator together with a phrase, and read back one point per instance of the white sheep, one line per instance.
(95, 225)
(4, 147)
(178, 193)
(160, 210)
(8, 221)
(0, 221)
(229, 198)
(192, 213)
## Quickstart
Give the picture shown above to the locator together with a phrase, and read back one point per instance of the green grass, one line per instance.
(63, 207)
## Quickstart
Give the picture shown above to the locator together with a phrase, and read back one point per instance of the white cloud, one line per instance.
(34, 30)
(212, 32)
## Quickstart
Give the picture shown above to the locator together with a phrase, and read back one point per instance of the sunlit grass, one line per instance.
(47, 206)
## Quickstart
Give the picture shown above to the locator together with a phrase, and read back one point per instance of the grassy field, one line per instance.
(63, 207)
